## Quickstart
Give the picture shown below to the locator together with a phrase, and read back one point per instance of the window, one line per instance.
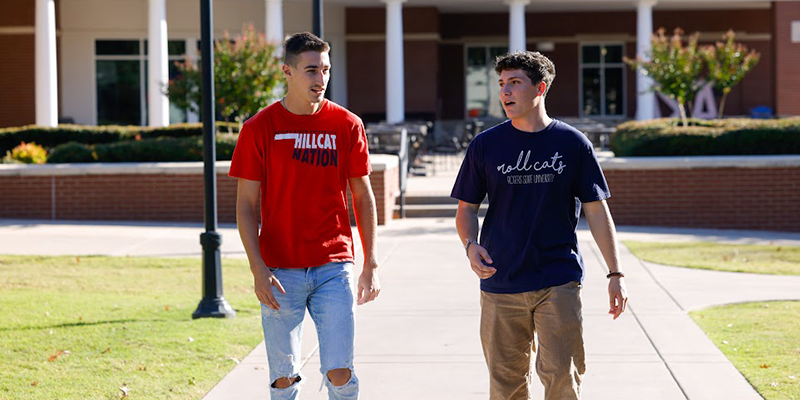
(121, 80)
(602, 76)
(483, 93)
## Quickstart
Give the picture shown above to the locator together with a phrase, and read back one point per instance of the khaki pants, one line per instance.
(508, 323)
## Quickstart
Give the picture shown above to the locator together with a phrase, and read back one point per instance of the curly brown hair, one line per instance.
(538, 67)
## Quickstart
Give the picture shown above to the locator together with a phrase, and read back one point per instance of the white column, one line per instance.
(157, 64)
(516, 25)
(46, 71)
(645, 100)
(274, 21)
(192, 58)
(395, 86)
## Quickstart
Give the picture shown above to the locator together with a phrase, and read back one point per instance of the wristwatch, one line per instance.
(466, 246)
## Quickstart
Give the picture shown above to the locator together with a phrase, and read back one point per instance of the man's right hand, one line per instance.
(264, 281)
(478, 260)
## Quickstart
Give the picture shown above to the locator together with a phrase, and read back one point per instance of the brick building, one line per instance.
(90, 61)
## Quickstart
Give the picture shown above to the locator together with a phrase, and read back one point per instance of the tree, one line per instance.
(727, 64)
(673, 66)
(247, 77)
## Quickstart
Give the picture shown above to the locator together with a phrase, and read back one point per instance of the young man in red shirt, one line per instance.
(294, 160)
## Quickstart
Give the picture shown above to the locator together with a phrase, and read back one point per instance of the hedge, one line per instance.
(665, 137)
(162, 149)
(52, 137)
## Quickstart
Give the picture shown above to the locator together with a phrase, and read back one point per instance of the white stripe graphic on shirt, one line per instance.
(310, 140)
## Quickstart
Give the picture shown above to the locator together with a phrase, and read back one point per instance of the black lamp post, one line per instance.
(213, 304)
(317, 23)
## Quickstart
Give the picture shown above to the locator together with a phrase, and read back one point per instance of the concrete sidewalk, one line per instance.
(420, 339)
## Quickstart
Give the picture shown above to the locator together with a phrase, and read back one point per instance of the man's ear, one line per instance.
(287, 70)
(541, 88)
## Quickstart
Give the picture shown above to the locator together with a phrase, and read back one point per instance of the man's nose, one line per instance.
(320, 78)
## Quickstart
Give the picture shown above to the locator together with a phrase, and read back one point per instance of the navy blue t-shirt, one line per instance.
(536, 182)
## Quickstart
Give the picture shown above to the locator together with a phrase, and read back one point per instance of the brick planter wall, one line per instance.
(748, 192)
(752, 192)
(142, 191)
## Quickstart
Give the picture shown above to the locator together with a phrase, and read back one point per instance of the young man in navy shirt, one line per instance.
(537, 172)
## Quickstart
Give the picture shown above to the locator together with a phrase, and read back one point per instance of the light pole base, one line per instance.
(213, 307)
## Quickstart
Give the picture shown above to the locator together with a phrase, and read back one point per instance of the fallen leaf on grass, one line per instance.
(77, 260)
(58, 354)
(765, 366)
(35, 383)
(107, 350)
(142, 368)
(192, 381)
(124, 389)
(166, 308)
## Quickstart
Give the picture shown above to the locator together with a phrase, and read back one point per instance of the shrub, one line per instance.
(27, 153)
(162, 149)
(247, 77)
(52, 137)
(674, 67)
(727, 64)
(72, 152)
(664, 137)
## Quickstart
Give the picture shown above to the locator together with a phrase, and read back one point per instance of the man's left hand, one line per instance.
(369, 286)
(617, 296)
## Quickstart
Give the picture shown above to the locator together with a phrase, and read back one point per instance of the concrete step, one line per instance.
(418, 199)
(433, 210)
(413, 199)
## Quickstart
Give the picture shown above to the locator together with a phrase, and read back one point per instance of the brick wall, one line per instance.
(17, 80)
(726, 198)
(655, 192)
(787, 58)
(385, 185)
(158, 196)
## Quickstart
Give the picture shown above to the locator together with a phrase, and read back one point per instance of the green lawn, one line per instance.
(760, 259)
(762, 340)
(82, 327)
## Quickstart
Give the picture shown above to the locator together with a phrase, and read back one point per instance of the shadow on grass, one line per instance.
(76, 324)
(239, 312)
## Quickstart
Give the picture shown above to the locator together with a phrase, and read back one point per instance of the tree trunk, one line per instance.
(683, 113)
(722, 103)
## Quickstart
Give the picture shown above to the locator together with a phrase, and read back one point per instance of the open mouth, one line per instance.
(318, 91)
(508, 103)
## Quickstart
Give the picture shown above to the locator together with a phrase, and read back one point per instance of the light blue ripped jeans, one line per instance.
(328, 293)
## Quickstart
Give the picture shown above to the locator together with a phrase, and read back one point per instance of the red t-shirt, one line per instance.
(303, 163)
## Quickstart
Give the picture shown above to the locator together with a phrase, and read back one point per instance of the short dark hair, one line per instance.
(538, 67)
(300, 43)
